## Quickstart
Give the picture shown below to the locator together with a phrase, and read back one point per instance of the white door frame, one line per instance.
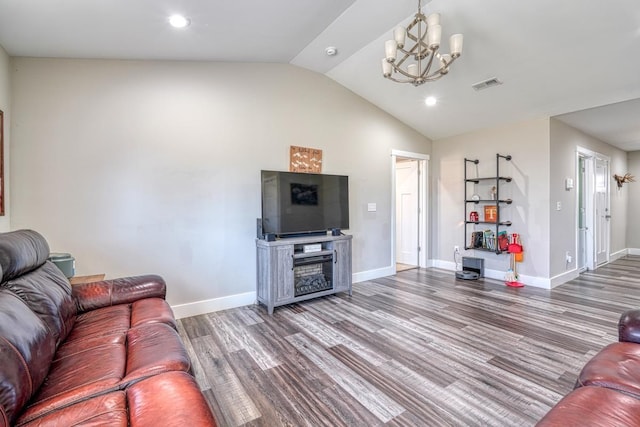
(423, 204)
(589, 203)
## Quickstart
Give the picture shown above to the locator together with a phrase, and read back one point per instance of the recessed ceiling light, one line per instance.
(331, 51)
(178, 21)
(431, 101)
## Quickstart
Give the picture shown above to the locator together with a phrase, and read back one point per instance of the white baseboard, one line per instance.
(248, 298)
(536, 282)
(232, 301)
(619, 254)
(633, 251)
(564, 277)
(214, 304)
(363, 276)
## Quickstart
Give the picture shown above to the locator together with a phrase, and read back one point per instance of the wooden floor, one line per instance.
(415, 349)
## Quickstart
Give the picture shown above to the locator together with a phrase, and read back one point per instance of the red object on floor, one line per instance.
(514, 284)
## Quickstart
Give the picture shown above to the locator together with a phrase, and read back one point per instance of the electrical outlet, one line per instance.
(456, 249)
(568, 257)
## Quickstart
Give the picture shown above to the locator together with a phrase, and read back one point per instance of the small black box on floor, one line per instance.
(473, 264)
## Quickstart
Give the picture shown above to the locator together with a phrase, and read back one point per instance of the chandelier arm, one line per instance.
(404, 58)
(438, 71)
(404, 73)
(418, 41)
(428, 67)
(397, 80)
(432, 78)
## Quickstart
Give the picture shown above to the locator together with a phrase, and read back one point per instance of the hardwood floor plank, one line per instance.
(376, 402)
(416, 349)
(236, 405)
(198, 371)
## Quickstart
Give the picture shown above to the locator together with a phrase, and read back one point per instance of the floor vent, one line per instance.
(486, 84)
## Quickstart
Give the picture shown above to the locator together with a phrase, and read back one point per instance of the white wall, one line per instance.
(139, 167)
(5, 106)
(564, 142)
(528, 143)
(633, 191)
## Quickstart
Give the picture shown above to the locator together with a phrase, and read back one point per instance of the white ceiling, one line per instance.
(554, 57)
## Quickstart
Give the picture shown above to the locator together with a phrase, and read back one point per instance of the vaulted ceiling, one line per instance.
(554, 57)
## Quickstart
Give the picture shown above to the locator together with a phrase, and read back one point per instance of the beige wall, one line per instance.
(633, 211)
(528, 143)
(153, 167)
(5, 106)
(564, 142)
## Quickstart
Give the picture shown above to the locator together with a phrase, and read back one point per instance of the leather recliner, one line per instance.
(103, 353)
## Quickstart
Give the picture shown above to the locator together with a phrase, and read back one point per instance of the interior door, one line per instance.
(602, 214)
(407, 205)
(582, 216)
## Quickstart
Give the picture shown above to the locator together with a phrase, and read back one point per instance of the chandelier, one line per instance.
(416, 62)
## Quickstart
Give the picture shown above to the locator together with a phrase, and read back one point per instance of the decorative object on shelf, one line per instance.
(416, 62)
(304, 159)
(490, 213)
(475, 197)
(473, 216)
(489, 240)
(477, 239)
(493, 192)
(622, 179)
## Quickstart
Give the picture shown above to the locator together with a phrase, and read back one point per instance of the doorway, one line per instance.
(592, 210)
(409, 210)
(407, 207)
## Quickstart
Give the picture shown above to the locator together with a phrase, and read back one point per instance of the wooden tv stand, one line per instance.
(300, 268)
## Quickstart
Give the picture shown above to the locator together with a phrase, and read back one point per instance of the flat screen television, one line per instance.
(304, 203)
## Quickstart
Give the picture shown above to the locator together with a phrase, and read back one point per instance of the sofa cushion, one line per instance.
(114, 320)
(594, 406)
(26, 350)
(21, 252)
(101, 363)
(152, 310)
(152, 349)
(169, 399)
(75, 378)
(616, 366)
(107, 410)
(47, 292)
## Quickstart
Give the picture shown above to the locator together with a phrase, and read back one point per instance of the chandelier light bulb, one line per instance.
(399, 35)
(455, 45)
(386, 67)
(390, 50)
(178, 21)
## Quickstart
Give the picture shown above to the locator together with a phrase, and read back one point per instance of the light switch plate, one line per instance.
(371, 207)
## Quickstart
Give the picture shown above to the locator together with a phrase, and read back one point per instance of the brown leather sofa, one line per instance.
(607, 391)
(103, 353)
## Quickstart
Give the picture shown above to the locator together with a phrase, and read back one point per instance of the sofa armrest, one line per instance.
(90, 296)
(629, 326)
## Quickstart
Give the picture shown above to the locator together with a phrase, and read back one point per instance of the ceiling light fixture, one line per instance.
(178, 21)
(431, 101)
(331, 51)
(419, 58)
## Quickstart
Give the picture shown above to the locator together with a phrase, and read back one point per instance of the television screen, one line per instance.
(297, 203)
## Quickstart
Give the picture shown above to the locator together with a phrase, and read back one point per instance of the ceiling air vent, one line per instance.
(486, 84)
